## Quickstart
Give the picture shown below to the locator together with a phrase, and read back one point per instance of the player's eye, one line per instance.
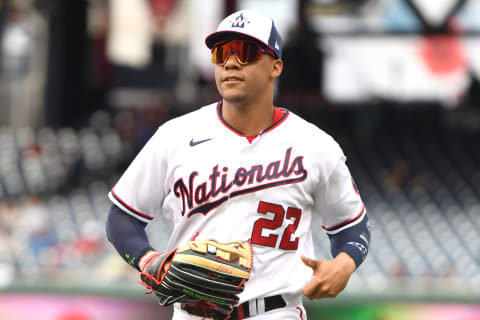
(245, 51)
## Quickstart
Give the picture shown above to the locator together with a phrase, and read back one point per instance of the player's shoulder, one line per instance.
(311, 133)
(194, 117)
(183, 125)
(321, 150)
(187, 122)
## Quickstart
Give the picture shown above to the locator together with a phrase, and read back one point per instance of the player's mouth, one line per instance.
(231, 79)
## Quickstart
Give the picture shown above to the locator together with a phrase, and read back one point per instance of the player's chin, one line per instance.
(233, 95)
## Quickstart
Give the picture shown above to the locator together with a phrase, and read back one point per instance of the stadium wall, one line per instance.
(57, 302)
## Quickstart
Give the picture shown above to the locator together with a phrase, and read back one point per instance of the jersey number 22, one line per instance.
(286, 243)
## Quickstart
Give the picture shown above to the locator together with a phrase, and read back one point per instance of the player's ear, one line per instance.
(277, 67)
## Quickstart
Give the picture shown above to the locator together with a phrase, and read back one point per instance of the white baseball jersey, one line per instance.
(204, 176)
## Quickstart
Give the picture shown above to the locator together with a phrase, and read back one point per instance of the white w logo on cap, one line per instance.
(239, 22)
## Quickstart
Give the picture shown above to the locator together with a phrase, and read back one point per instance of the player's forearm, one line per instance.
(346, 261)
(127, 235)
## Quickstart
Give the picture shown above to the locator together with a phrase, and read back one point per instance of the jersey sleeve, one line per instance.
(140, 190)
(338, 201)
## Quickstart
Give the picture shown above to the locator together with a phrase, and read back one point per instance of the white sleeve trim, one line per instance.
(142, 217)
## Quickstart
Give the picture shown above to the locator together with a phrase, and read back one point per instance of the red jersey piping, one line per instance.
(279, 116)
(146, 216)
(347, 221)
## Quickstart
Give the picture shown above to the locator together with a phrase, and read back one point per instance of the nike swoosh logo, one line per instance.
(194, 143)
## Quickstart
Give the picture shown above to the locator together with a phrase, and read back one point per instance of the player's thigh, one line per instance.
(182, 315)
(179, 314)
(289, 313)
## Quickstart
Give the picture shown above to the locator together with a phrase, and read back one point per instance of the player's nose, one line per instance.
(232, 61)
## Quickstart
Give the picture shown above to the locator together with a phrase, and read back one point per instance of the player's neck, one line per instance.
(249, 119)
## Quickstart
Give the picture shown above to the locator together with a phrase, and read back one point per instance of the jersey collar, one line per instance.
(279, 116)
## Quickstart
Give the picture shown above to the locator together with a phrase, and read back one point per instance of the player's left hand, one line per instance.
(330, 277)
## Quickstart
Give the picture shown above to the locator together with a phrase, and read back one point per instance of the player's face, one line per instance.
(242, 77)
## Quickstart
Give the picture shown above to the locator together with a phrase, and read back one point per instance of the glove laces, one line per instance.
(149, 287)
(206, 307)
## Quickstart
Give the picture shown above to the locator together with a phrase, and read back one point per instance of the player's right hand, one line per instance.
(330, 277)
(202, 272)
(143, 262)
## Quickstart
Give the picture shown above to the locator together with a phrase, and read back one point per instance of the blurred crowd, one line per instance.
(53, 198)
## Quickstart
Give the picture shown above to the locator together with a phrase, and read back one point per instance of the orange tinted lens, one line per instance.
(245, 51)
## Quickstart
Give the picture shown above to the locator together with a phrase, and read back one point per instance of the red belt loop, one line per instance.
(240, 313)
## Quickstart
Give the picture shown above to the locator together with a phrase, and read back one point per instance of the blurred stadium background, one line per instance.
(83, 85)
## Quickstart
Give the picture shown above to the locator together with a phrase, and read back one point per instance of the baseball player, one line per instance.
(244, 169)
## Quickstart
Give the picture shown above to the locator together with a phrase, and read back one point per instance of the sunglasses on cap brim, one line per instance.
(246, 51)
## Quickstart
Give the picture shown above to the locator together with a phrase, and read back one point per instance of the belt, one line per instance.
(240, 312)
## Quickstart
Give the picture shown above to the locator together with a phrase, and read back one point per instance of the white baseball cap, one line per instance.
(250, 24)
